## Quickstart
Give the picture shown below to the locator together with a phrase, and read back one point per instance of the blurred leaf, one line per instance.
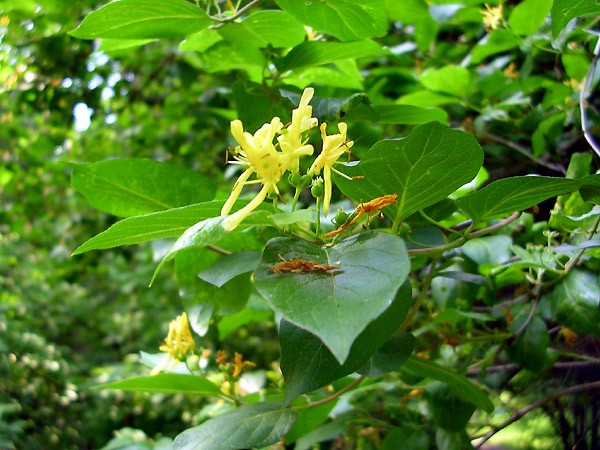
(458, 384)
(229, 267)
(411, 439)
(423, 168)
(347, 20)
(447, 410)
(169, 383)
(264, 28)
(529, 350)
(563, 11)
(307, 364)
(513, 194)
(139, 19)
(495, 42)
(450, 80)
(255, 425)
(529, 15)
(335, 305)
(132, 187)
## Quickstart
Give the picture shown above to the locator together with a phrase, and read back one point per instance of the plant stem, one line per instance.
(337, 394)
(422, 295)
(239, 12)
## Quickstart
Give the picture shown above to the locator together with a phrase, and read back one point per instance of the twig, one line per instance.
(337, 394)
(583, 97)
(238, 13)
(521, 412)
(424, 290)
(567, 365)
(525, 152)
(219, 250)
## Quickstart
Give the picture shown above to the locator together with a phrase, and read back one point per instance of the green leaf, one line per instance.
(307, 364)
(390, 356)
(264, 28)
(160, 225)
(447, 410)
(576, 303)
(347, 20)
(308, 420)
(229, 267)
(335, 305)
(423, 168)
(529, 349)
(132, 187)
(314, 53)
(451, 80)
(590, 189)
(397, 114)
(140, 19)
(528, 16)
(513, 194)
(411, 439)
(200, 41)
(563, 11)
(249, 426)
(460, 385)
(204, 233)
(169, 383)
(495, 42)
(488, 250)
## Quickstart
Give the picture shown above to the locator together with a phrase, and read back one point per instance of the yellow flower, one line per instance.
(178, 343)
(492, 16)
(258, 153)
(290, 140)
(334, 146)
(239, 366)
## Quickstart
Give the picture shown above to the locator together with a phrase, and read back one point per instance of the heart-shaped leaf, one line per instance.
(358, 282)
(423, 168)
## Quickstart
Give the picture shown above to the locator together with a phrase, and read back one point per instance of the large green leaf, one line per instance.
(495, 42)
(132, 187)
(307, 364)
(529, 350)
(170, 383)
(451, 80)
(528, 16)
(314, 53)
(335, 305)
(513, 194)
(142, 19)
(423, 168)
(347, 20)
(563, 11)
(447, 410)
(398, 114)
(248, 426)
(263, 28)
(459, 385)
(390, 356)
(590, 188)
(576, 302)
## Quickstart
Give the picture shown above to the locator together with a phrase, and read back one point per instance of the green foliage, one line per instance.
(458, 278)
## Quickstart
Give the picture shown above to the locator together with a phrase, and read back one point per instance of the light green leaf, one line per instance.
(169, 383)
(423, 168)
(529, 15)
(563, 11)
(576, 302)
(314, 53)
(495, 42)
(159, 225)
(450, 80)
(229, 267)
(513, 194)
(458, 384)
(347, 20)
(200, 41)
(249, 426)
(308, 365)
(335, 305)
(488, 249)
(132, 187)
(398, 114)
(140, 19)
(113, 45)
(263, 28)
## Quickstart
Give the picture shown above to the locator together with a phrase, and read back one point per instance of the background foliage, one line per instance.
(515, 311)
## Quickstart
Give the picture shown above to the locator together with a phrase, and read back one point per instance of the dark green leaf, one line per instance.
(590, 189)
(390, 356)
(230, 266)
(314, 53)
(132, 187)
(460, 385)
(563, 11)
(447, 410)
(513, 194)
(576, 302)
(308, 420)
(140, 19)
(308, 365)
(411, 439)
(335, 305)
(423, 168)
(347, 20)
(264, 28)
(529, 349)
(170, 383)
(255, 425)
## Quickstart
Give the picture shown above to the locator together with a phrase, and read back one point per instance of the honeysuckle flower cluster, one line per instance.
(276, 149)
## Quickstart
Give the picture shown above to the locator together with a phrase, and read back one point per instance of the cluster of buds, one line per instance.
(276, 149)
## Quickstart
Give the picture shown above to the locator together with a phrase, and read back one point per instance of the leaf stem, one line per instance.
(238, 13)
(424, 290)
(335, 395)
